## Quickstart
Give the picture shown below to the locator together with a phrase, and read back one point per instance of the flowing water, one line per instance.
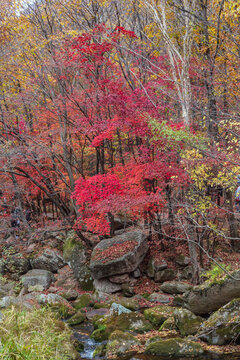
(82, 334)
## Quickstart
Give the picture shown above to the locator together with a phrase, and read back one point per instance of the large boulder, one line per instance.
(210, 296)
(38, 277)
(186, 322)
(50, 260)
(120, 343)
(74, 254)
(223, 326)
(104, 285)
(119, 255)
(175, 287)
(16, 265)
(124, 322)
(158, 314)
(175, 347)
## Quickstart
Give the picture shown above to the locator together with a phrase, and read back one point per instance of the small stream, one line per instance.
(82, 334)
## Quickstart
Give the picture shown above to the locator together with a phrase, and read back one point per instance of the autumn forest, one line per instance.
(122, 111)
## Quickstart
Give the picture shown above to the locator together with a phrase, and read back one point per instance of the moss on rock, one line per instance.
(130, 322)
(76, 319)
(158, 314)
(176, 347)
(168, 324)
(186, 322)
(82, 301)
(120, 343)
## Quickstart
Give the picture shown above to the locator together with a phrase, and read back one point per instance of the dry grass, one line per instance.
(34, 335)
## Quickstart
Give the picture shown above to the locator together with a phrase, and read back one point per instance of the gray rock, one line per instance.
(118, 309)
(208, 297)
(175, 287)
(17, 265)
(223, 326)
(74, 255)
(120, 343)
(52, 299)
(50, 260)
(131, 249)
(136, 274)
(101, 312)
(164, 275)
(38, 277)
(183, 260)
(155, 265)
(186, 322)
(186, 273)
(105, 286)
(159, 298)
(174, 348)
(119, 279)
(8, 301)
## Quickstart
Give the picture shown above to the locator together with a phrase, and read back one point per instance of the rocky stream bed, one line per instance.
(97, 300)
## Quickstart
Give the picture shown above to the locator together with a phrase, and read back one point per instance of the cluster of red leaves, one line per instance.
(114, 252)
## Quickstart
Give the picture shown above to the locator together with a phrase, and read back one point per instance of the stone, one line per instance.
(164, 275)
(37, 288)
(158, 314)
(97, 312)
(124, 322)
(6, 288)
(119, 279)
(183, 260)
(168, 324)
(82, 301)
(74, 255)
(69, 295)
(186, 273)
(17, 265)
(38, 277)
(136, 274)
(118, 309)
(119, 255)
(128, 290)
(159, 298)
(65, 279)
(155, 265)
(76, 319)
(210, 296)
(100, 351)
(7, 301)
(50, 260)
(106, 286)
(175, 287)
(58, 303)
(186, 322)
(223, 326)
(175, 347)
(131, 303)
(120, 343)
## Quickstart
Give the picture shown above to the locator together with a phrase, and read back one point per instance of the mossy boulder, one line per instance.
(74, 255)
(176, 347)
(158, 314)
(76, 319)
(210, 296)
(82, 301)
(120, 343)
(223, 326)
(168, 324)
(186, 322)
(100, 351)
(124, 322)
